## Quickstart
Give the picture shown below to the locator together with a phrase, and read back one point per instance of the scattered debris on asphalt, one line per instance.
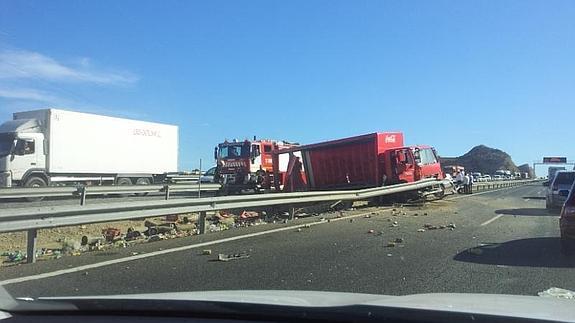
(225, 257)
(370, 231)
(110, 233)
(207, 252)
(420, 230)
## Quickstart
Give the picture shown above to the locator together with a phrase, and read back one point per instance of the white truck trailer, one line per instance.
(57, 147)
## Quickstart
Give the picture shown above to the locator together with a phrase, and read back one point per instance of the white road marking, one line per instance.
(480, 193)
(163, 252)
(492, 219)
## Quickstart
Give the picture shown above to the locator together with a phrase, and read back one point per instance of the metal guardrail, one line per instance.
(32, 219)
(62, 191)
(484, 186)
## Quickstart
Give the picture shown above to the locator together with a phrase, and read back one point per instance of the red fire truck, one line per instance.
(247, 165)
(365, 161)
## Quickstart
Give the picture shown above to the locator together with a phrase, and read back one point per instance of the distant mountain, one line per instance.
(482, 159)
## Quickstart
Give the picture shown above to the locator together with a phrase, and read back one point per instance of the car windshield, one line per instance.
(564, 178)
(188, 146)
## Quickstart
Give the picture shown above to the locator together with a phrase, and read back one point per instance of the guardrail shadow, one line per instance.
(531, 252)
(527, 212)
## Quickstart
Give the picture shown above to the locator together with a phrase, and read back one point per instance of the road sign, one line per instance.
(555, 160)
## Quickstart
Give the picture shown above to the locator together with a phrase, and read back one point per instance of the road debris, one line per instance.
(399, 240)
(556, 292)
(394, 224)
(207, 252)
(420, 230)
(390, 244)
(15, 256)
(156, 237)
(111, 233)
(370, 231)
(92, 241)
(225, 257)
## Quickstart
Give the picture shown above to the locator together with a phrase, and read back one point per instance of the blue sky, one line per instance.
(451, 74)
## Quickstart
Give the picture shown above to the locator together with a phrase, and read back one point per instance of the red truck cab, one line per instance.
(410, 164)
(246, 165)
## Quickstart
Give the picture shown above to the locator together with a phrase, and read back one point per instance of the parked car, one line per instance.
(497, 177)
(567, 224)
(476, 177)
(559, 189)
(209, 176)
(486, 178)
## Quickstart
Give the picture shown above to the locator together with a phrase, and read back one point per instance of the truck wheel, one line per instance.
(35, 182)
(440, 195)
(142, 181)
(123, 181)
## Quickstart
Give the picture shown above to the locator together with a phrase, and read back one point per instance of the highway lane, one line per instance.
(503, 242)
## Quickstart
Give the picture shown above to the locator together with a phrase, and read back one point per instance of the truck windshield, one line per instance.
(234, 151)
(6, 142)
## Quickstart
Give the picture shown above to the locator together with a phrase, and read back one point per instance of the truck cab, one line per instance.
(246, 165)
(410, 164)
(21, 154)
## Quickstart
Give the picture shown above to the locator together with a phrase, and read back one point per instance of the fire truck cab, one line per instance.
(246, 165)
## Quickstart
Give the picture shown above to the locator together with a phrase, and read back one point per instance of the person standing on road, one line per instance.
(470, 185)
(459, 178)
(466, 184)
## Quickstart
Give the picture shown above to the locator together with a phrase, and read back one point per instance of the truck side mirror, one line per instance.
(215, 152)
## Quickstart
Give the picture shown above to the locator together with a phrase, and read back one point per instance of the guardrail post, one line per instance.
(291, 213)
(83, 195)
(202, 223)
(32, 236)
(167, 192)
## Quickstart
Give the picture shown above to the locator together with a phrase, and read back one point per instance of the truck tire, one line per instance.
(440, 195)
(123, 181)
(142, 181)
(35, 181)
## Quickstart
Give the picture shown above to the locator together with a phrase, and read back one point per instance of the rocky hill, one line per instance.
(482, 159)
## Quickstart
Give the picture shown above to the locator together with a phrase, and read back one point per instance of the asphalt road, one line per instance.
(504, 242)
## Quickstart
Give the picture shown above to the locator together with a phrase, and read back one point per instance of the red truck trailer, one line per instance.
(365, 161)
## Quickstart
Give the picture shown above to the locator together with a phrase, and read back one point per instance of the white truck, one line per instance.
(57, 147)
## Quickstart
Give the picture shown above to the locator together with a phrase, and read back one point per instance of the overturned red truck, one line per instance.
(371, 160)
